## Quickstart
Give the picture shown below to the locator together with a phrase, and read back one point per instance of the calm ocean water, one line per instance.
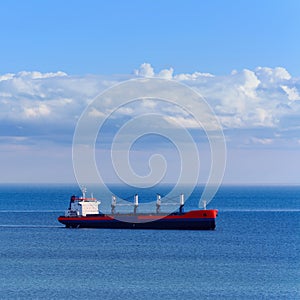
(252, 254)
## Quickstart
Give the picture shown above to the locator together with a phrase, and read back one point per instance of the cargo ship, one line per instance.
(84, 212)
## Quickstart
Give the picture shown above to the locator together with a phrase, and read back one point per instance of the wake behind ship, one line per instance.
(84, 212)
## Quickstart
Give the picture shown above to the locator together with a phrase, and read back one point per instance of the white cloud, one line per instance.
(39, 75)
(35, 112)
(150, 104)
(96, 113)
(184, 122)
(262, 141)
(145, 70)
(292, 93)
(192, 76)
(260, 99)
(269, 76)
(125, 111)
(166, 73)
(6, 76)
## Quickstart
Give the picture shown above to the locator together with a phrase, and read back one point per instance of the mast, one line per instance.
(136, 202)
(181, 203)
(158, 203)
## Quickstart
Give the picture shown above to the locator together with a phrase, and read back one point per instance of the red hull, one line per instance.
(193, 220)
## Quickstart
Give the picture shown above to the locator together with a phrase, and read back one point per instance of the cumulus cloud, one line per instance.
(56, 96)
(166, 73)
(251, 101)
(37, 111)
(291, 92)
(271, 76)
(145, 70)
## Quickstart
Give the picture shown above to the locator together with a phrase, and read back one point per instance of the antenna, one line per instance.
(113, 204)
(158, 203)
(136, 202)
(181, 201)
(83, 190)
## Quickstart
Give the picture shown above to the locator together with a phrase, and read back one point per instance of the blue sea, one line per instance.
(253, 253)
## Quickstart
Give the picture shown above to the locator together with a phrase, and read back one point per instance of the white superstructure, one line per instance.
(82, 206)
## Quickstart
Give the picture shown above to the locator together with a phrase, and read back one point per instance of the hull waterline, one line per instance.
(193, 220)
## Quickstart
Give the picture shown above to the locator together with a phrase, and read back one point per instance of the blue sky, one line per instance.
(242, 56)
(111, 37)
